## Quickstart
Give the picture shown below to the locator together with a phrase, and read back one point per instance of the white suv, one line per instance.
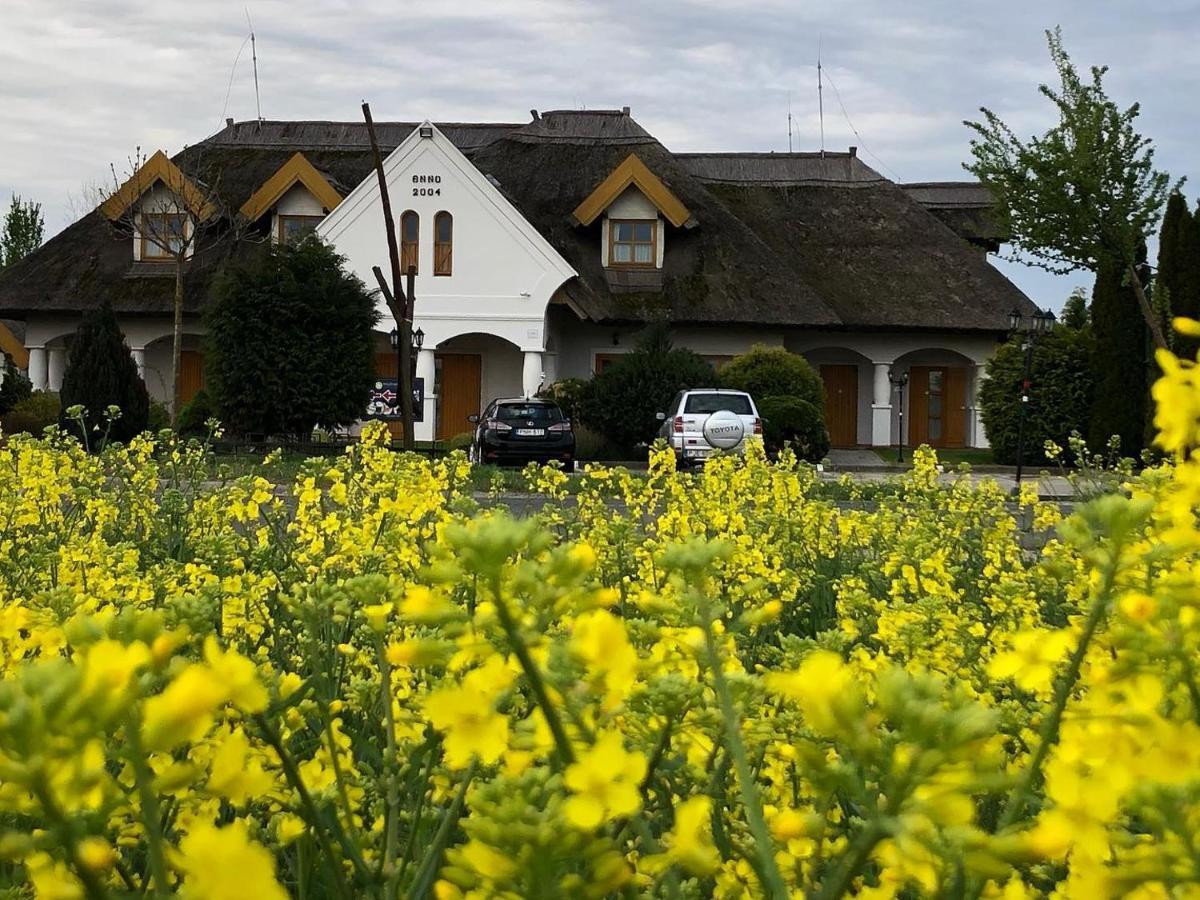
(703, 421)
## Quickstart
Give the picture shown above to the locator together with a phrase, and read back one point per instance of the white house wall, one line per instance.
(296, 201)
(503, 273)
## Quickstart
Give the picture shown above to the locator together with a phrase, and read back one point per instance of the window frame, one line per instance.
(613, 263)
(284, 218)
(440, 246)
(410, 251)
(151, 250)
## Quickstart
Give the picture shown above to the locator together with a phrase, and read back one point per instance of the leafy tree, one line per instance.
(14, 386)
(22, 230)
(1121, 368)
(1083, 195)
(774, 372)
(101, 373)
(1075, 312)
(290, 341)
(625, 398)
(1061, 391)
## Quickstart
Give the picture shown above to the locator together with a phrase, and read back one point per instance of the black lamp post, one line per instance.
(899, 380)
(1030, 328)
(418, 341)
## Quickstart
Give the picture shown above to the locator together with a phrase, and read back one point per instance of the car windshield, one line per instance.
(711, 403)
(536, 412)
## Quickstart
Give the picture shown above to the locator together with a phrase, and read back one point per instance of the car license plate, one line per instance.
(531, 432)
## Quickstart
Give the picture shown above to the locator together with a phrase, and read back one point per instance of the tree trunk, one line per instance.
(177, 342)
(1156, 333)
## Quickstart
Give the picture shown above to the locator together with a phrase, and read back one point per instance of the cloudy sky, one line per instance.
(85, 82)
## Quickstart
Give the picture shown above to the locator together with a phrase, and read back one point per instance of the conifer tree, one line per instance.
(1122, 362)
(101, 373)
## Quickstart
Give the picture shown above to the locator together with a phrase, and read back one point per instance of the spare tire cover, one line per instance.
(724, 430)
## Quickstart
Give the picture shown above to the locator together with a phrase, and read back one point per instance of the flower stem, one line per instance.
(536, 684)
(768, 871)
(150, 812)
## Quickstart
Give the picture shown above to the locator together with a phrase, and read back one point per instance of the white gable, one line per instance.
(504, 272)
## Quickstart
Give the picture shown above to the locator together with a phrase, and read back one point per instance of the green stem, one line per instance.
(94, 887)
(772, 880)
(393, 799)
(151, 816)
(315, 819)
(536, 684)
(858, 853)
(423, 880)
(1048, 733)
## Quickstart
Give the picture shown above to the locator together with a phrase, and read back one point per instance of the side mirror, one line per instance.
(473, 419)
(661, 416)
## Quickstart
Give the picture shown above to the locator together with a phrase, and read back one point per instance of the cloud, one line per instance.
(86, 83)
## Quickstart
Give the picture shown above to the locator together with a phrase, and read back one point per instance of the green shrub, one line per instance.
(1061, 391)
(101, 373)
(790, 420)
(774, 372)
(460, 441)
(626, 398)
(15, 387)
(33, 414)
(193, 418)
(571, 394)
(158, 418)
(290, 341)
(593, 446)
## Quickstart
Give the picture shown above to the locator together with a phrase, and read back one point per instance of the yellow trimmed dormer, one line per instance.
(635, 205)
(162, 205)
(297, 196)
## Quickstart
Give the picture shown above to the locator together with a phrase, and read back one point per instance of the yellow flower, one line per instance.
(184, 710)
(604, 783)
(600, 640)
(1033, 659)
(821, 685)
(223, 863)
(690, 843)
(96, 854)
(472, 728)
(235, 774)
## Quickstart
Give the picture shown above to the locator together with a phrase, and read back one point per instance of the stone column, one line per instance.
(37, 368)
(139, 357)
(550, 367)
(979, 436)
(56, 366)
(531, 372)
(881, 407)
(426, 371)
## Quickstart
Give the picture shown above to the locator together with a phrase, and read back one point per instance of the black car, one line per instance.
(520, 431)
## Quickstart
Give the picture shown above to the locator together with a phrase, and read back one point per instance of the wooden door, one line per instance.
(841, 404)
(458, 392)
(191, 374)
(938, 397)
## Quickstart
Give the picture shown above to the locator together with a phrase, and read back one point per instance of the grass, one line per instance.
(972, 455)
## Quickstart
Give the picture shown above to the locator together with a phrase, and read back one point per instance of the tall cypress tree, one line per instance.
(1178, 277)
(1122, 362)
(101, 373)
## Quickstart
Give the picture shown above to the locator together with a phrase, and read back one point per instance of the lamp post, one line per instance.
(1030, 328)
(899, 380)
(418, 341)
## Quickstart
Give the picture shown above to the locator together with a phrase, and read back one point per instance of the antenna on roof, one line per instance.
(254, 57)
(820, 97)
(789, 121)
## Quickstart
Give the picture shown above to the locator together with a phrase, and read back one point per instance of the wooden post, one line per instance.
(399, 313)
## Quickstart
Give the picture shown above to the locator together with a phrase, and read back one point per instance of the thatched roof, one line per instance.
(788, 239)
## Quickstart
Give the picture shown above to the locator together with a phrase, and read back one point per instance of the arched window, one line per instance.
(410, 238)
(443, 243)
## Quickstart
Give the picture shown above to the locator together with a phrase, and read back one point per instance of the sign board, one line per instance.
(383, 403)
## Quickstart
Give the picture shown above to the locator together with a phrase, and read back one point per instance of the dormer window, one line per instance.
(163, 235)
(633, 242)
(293, 228)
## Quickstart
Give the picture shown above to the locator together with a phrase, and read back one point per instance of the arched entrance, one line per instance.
(470, 371)
(938, 397)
